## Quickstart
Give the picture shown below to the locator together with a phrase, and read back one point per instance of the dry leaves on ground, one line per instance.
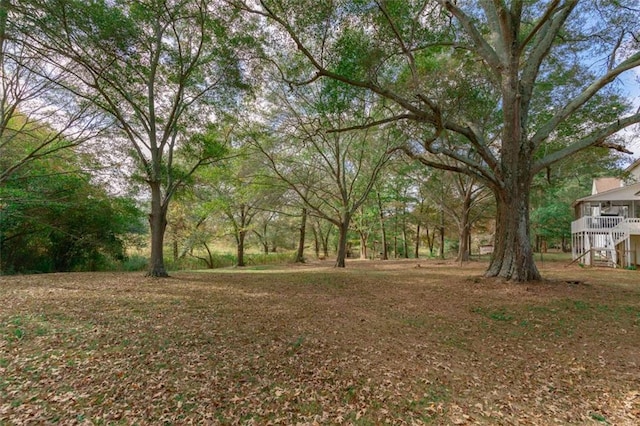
(379, 342)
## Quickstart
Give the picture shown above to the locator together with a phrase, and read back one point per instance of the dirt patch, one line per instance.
(378, 342)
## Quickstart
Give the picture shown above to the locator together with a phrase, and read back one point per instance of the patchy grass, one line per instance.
(378, 342)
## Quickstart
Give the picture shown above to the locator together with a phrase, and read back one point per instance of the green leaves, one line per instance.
(53, 218)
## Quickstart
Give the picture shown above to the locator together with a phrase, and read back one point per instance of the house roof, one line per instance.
(605, 184)
(626, 193)
(633, 165)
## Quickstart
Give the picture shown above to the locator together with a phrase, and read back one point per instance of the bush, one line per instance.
(269, 258)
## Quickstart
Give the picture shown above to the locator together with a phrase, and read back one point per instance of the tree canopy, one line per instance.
(499, 93)
(495, 90)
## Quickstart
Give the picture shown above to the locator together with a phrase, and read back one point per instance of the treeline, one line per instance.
(380, 125)
(54, 217)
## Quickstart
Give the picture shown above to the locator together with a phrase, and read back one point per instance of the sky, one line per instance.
(631, 88)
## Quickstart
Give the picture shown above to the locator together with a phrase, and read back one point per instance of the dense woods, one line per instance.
(311, 129)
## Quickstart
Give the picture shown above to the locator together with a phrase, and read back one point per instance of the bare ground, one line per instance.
(398, 342)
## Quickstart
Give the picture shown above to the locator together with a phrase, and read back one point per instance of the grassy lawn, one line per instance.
(380, 342)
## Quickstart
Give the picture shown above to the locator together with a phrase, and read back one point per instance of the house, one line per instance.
(607, 229)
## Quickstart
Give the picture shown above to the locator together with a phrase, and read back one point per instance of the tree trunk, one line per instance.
(513, 255)
(405, 243)
(325, 243)
(316, 241)
(342, 242)
(442, 226)
(417, 246)
(464, 247)
(209, 260)
(158, 225)
(395, 233)
(240, 247)
(303, 227)
(363, 245)
(383, 231)
(174, 243)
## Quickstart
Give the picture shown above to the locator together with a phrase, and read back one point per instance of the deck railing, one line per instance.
(633, 224)
(600, 236)
(597, 223)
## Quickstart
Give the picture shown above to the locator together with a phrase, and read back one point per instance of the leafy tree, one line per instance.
(53, 219)
(159, 69)
(37, 119)
(514, 82)
(332, 173)
(240, 192)
(322, 231)
(555, 189)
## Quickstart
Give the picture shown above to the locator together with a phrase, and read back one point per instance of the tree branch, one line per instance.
(596, 138)
(545, 130)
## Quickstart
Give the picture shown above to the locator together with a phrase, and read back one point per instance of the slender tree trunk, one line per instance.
(465, 231)
(209, 260)
(431, 237)
(316, 241)
(383, 230)
(303, 228)
(363, 245)
(395, 233)
(158, 225)
(417, 246)
(405, 243)
(325, 243)
(441, 232)
(174, 243)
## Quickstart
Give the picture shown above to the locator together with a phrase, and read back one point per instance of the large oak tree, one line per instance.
(507, 78)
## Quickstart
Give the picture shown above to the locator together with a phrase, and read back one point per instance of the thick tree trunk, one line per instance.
(240, 247)
(342, 242)
(464, 246)
(513, 255)
(158, 225)
(303, 229)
